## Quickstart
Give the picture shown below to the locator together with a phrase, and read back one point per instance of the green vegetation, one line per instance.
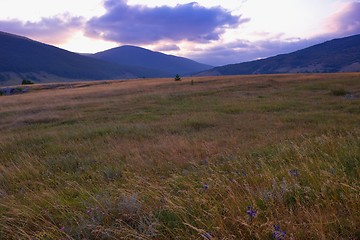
(339, 92)
(238, 157)
(26, 82)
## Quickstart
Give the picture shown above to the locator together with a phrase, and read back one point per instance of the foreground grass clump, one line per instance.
(250, 157)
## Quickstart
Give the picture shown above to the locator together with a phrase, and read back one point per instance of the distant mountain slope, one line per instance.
(139, 57)
(20, 55)
(338, 55)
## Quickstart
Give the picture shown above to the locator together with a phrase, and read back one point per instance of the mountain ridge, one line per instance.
(22, 58)
(135, 56)
(336, 55)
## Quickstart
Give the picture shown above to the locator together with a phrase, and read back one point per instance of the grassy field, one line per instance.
(236, 157)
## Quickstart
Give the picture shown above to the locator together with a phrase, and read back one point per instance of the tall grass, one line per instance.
(251, 157)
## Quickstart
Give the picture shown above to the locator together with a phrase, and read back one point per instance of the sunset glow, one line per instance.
(206, 31)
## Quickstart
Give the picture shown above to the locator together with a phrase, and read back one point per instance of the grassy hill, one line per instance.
(338, 55)
(165, 65)
(233, 157)
(22, 58)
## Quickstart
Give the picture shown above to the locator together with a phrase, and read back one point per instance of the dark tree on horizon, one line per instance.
(177, 77)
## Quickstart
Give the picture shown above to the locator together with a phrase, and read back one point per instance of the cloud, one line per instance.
(51, 30)
(144, 25)
(346, 21)
(167, 47)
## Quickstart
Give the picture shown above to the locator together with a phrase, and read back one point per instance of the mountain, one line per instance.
(338, 55)
(168, 65)
(23, 58)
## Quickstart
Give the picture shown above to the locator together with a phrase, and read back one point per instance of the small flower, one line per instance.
(232, 180)
(207, 236)
(251, 212)
(278, 234)
(294, 172)
(62, 228)
(206, 186)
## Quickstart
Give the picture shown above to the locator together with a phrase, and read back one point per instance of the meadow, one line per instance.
(235, 157)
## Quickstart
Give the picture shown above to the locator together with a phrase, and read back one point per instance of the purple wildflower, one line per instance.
(294, 172)
(207, 236)
(278, 234)
(206, 186)
(251, 212)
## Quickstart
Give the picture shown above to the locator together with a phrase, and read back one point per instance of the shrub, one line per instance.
(339, 92)
(177, 77)
(26, 82)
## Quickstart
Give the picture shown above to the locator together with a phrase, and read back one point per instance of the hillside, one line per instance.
(338, 55)
(134, 56)
(23, 58)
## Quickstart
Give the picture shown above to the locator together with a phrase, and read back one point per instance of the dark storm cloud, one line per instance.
(50, 30)
(143, 25)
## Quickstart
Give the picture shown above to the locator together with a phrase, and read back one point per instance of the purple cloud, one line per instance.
(346, 21)
(167, 47)
(50, 30)
(143, 25)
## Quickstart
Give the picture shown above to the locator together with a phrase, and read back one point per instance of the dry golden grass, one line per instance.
(159, 159)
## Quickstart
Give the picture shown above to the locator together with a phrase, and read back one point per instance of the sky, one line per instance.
(208, 31)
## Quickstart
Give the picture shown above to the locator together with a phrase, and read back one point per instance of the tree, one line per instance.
(26, 82)
(177, 77)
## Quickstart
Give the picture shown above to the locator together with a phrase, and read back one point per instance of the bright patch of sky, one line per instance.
(34, 10)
